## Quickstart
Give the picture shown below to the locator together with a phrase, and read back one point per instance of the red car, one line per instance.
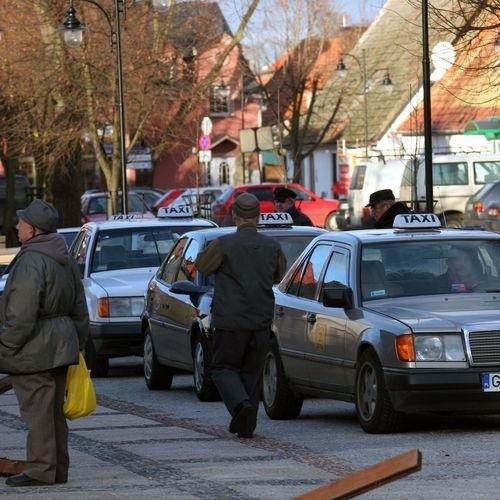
(322, 211)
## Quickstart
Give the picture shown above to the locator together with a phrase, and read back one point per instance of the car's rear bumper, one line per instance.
(117, 339)
(432, 390)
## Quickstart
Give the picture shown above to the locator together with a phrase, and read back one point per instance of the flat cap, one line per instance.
(40, 214)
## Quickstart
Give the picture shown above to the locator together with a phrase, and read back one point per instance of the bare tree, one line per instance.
(309, 37)
(169, 62)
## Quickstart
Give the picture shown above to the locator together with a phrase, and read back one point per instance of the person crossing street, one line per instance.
(246, 264)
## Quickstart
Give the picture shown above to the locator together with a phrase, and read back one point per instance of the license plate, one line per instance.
(491, 382)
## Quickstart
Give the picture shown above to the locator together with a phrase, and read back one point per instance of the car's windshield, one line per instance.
(131, 248)
(429, 267)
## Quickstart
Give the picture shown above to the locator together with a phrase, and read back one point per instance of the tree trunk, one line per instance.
(9, 204)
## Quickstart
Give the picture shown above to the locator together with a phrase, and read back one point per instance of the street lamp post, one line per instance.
(342, 70)
(426, 84)
(73, 36)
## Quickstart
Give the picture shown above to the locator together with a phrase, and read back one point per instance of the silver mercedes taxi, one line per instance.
(117, 258)
(398, 321)
(177, 317)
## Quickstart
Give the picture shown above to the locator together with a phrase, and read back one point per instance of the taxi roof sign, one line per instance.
(117, 217)
(416, 221)
(275, 219)
(178, 211)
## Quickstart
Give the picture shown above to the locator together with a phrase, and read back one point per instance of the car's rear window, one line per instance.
(292, 246)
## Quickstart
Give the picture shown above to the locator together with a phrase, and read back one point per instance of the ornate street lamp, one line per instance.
(386, 82)
(426, 85)
(73, 29)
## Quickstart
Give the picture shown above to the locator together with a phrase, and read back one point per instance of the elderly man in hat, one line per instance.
(284, 201)
(44, 325)
(384, 208)
(246, 263)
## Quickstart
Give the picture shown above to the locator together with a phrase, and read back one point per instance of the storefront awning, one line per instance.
(489, 128)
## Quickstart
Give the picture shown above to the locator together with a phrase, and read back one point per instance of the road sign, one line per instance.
(206, 125)
(205, 142)
(205, 156)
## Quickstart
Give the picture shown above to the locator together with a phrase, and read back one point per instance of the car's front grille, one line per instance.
(484, 347)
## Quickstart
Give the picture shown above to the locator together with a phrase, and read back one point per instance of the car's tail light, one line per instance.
(478, 207)
(493, 211)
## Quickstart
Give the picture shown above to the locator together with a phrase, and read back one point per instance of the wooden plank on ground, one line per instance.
(5, 384)
(11, 467)
(368, 479)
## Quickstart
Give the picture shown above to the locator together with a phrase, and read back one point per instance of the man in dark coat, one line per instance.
(44, 325)
(246, 263)
(284, 200)
(384, 208)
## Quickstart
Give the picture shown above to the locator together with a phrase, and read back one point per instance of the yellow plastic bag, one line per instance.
(80, 393)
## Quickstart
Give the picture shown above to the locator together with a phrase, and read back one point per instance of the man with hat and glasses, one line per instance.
(284, 200)
(384, 208)
(44, 325)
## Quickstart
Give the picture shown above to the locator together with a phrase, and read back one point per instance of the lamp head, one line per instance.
(72, 29)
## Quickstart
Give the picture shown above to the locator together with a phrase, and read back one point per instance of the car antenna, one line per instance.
(445, 224)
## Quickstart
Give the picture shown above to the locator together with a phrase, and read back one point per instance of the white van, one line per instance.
(370, 177)
(455, 178)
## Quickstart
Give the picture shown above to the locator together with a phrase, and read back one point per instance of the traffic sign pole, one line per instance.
(205, 143)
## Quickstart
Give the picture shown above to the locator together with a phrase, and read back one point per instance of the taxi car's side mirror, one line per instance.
(186, 287)
(338, 296)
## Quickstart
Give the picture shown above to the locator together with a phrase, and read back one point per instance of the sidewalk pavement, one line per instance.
(128, 451)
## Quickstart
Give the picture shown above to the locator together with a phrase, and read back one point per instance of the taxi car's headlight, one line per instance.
(430, 348)
(109, 307)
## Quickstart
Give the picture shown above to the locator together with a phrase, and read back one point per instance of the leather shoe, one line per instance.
(242, 418)
(23, 480)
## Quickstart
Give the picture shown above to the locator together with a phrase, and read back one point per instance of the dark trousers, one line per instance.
(41, 399)
(237, 363)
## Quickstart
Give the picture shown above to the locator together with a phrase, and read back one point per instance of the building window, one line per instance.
(220, 103)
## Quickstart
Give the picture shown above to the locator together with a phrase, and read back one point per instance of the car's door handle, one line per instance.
(311, 318)
(279, 312)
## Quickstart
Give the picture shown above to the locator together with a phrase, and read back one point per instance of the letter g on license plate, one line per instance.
(491, 382)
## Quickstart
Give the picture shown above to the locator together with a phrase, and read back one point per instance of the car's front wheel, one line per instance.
(374, 408)
(96, 363)
(157, 376)
(278, 398)
(202, 357)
